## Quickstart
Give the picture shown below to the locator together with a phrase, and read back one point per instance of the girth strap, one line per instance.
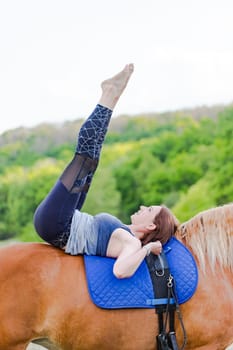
(160, 274)
(163, 285)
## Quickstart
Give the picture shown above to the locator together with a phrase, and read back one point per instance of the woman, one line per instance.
(58, 219)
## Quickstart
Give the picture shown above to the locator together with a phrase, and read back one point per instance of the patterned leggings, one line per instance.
(53, 216)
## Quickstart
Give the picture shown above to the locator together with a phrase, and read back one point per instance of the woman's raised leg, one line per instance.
(53, 216)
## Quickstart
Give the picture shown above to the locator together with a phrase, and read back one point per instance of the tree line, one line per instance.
(177, 159)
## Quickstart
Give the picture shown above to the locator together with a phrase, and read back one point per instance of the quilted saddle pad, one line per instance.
(108, 292)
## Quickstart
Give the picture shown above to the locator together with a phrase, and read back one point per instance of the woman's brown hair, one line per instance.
(166, 225)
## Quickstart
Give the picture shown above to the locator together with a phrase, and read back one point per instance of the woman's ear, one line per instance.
(151, 227)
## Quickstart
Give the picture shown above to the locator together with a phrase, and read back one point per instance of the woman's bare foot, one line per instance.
(113, 87)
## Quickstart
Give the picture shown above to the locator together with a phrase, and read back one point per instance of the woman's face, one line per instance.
(145, 215)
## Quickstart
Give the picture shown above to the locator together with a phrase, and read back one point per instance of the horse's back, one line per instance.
(37, 267)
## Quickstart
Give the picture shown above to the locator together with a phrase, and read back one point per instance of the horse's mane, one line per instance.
(210, 236)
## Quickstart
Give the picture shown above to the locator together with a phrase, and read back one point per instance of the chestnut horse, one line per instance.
(44, 297)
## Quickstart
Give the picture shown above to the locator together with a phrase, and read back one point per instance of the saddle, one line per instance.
(161, 282)
(108, 292)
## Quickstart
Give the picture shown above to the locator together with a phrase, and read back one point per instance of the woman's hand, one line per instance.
(153, 247)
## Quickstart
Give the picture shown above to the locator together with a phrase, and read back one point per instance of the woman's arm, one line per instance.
(132, 255)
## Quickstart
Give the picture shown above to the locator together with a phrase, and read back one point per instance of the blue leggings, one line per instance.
(52, 218)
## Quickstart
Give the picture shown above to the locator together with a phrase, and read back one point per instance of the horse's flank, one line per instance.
(209, 234)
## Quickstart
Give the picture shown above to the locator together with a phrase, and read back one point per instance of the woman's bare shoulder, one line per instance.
(124, 235)
(121, 240)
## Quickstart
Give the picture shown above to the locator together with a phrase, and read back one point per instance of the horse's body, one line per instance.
(44, 297)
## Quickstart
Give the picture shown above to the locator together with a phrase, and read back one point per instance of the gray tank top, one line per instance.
(83, 237)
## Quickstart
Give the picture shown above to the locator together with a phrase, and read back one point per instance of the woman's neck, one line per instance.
(137, 231)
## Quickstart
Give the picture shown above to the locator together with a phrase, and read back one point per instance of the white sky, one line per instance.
(54, 54)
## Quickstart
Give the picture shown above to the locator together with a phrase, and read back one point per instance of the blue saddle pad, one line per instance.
(109, 292)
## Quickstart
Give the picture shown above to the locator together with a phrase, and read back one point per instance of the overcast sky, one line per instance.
(54, 54)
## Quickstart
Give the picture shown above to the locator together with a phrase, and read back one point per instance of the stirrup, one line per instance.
(162, 342)
(173, 341)
(167, 341)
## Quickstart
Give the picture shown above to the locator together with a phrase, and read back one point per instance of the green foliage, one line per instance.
(183, 161)
(23, 189)
(99, 200)
(224, 165)
(199, 197)
(138, 128)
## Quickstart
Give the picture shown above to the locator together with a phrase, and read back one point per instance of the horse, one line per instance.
(44, 296)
